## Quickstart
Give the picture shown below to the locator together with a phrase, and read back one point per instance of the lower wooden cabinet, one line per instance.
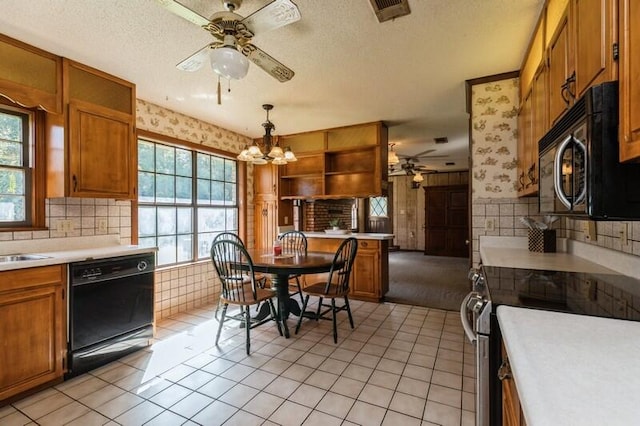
(32, 328)
(265, 218)
(512, 414)
(370, 274)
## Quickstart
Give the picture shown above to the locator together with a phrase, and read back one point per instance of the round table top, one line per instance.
(313, 262)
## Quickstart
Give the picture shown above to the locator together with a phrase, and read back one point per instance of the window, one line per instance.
(185, 198)
(15, 168)
(378, 207)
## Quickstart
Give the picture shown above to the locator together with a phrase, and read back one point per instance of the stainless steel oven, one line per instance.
(110, 309)
(605, 295)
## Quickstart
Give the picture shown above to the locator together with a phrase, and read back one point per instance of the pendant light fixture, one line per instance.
(392, 159)
(267, 151)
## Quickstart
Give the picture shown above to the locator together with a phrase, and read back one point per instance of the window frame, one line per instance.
(241, 185)
(34, 152)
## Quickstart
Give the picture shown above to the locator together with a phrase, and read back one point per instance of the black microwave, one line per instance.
(580, 171)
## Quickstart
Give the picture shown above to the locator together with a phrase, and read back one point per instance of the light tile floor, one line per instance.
(401, 365)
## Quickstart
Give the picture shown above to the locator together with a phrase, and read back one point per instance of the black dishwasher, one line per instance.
(110, 309)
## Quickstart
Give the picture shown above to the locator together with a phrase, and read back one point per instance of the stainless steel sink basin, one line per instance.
(21, 257)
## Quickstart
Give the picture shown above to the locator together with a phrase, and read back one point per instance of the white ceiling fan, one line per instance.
(233, 33)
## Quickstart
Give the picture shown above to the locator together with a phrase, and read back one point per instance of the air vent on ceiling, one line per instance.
(442, 139)
(449, 163)
(390, 9)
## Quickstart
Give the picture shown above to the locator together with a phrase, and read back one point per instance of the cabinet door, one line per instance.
(32, 327)
(629, 80)
(365, 281)
(102, 152)
(593, 23)
(525, 136)
(559, 72)
(265, 218)
(265, 180)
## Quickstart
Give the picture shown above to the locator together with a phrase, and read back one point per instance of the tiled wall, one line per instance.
(180, 288)
(318, 213)
(84, 214)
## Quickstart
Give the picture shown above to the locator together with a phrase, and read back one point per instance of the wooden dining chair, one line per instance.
(294, 242)
(239, 286)
(336, 286)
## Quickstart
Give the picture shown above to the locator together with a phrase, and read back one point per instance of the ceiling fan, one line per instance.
(408, 168)
(233, 33)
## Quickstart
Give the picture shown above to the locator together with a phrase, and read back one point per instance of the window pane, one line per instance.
(146, 187)
(217, 168)
(12, 208)
(185, 224)
(166, 221)
(217, 192)
(378, 206)
(183, 162)
(11, 182)
(166, 250)
(10, 153)
(147, 221)
(165, 159)
(11, 127)
(204, 191)
(204, 166)
(230, 193)
(185, 248)
(147, 242)
(230, 170)
(204, 247)
(165, 189)
(183, 190)
(211, 219)
(232, 220)
(145, 157)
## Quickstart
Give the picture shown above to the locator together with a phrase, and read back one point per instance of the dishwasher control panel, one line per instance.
(114, 267)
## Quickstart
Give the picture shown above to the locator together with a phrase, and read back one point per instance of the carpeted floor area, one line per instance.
(431, 281)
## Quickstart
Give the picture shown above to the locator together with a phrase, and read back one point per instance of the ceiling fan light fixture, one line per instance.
(229, 63)
(392, 158)
(418, 177)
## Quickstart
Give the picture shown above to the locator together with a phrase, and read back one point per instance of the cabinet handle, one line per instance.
(565, 88)
(504, 372)
(521, 181)
(364, 244)
(75, 183)
(274, 188)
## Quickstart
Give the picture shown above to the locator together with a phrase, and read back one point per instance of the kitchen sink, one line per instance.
(21, 257)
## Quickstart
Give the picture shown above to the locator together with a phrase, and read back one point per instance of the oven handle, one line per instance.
(468, 329)
(557, 171)
(583, 193)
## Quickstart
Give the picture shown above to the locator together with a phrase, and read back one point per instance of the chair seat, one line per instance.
(318, 289)
(246, 298)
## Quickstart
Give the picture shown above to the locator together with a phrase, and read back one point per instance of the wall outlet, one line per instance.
(64, 225)
(489, 225)
(590, 230)
(101, 224)
(624, 234)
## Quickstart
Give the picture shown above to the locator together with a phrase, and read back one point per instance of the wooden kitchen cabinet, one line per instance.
(342, 162)
(32, 328)
(512, 414)
(629, 80)
(560, 72)
(30, 76)
(370, 274)
(96, 156)
(265, 202)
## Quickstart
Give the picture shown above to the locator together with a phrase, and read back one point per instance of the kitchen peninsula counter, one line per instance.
(572, 369)
(370, 274)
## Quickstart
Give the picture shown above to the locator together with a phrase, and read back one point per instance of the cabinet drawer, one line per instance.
(31, 277)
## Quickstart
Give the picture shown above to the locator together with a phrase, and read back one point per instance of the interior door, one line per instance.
(380, 218)
(446, 217)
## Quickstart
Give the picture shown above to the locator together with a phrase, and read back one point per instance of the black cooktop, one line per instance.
(604, 295)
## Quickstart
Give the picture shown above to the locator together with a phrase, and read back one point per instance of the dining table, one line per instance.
(280, 267)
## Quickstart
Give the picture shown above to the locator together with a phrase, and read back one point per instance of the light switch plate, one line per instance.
(101, 224)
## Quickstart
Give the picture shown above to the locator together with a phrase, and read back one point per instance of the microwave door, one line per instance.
(563, 172)
(579, 175)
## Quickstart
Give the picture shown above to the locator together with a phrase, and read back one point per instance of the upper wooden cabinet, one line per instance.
(29, 76)
(629, 80)
(560, 71)
(96, 156)
(336, 163)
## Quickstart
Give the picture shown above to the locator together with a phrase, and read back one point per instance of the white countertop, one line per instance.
(67, 250)
(512, 252)
(357, 235)
(573, 369)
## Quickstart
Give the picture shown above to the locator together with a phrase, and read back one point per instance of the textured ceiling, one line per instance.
(349, 68)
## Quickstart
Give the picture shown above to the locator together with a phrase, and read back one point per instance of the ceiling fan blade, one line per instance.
(183, 11)
(274, 68)
(195, 61)
(274, 15)
(423, 153)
